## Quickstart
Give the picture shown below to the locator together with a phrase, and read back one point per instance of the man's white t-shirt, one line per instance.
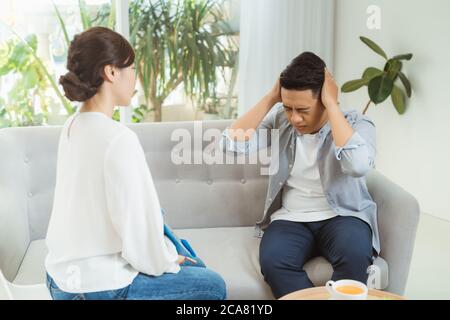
(303, 199)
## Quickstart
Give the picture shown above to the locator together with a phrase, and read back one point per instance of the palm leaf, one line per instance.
(62, 24)
(49, 77)
(112, 15)
(85, 21)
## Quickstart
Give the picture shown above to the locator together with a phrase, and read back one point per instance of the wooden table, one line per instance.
(321, 293)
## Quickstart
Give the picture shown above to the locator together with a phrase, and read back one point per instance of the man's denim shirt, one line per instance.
(342, 170)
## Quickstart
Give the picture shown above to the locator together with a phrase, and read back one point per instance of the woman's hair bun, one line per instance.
(75, 89)
(89, 53)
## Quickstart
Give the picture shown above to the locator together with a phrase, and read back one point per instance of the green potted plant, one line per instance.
(32, 84)
(176, 42)
(180, 42)
(383, 83)
(34, 97)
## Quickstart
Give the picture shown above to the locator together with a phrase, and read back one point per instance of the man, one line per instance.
(317, 202)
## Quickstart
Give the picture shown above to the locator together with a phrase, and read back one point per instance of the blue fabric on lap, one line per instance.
(183, 247)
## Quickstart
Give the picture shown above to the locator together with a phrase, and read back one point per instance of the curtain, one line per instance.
(272, 33)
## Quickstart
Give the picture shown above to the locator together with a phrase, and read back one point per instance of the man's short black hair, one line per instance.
(305, 72)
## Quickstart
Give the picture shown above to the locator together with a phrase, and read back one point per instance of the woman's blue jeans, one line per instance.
(190, 283)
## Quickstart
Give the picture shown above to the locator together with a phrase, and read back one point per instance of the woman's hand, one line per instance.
(182, 259)
(329, 91)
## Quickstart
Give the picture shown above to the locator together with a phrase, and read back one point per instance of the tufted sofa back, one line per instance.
(193, 195)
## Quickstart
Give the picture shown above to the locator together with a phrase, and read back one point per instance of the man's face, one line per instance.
(304, 111)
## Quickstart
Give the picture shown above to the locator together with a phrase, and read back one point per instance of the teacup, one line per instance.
(347, 290)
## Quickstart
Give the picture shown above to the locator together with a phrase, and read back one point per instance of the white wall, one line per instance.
(413, 149)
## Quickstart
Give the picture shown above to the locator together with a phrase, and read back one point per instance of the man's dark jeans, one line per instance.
(346, 242)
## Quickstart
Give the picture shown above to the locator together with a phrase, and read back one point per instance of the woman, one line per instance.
(105, 237)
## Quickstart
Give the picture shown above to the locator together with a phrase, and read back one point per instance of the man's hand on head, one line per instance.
(330, 91)
(243, 128)
(275, 92)
(340, 128)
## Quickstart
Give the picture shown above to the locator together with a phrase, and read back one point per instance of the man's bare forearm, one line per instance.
(243, 127)
(341, 130)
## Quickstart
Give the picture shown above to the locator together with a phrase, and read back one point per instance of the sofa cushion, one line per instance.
(231, 252)
(234, 254)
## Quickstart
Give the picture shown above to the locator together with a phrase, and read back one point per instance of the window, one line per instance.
(190, 47)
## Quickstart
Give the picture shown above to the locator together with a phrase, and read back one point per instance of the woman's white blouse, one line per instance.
(106, 224)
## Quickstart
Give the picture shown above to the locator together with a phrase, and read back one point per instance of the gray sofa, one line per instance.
(215, 207)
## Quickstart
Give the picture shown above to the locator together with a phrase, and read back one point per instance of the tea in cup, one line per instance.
(347, 290)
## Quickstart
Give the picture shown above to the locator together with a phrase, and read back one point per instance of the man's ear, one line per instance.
(109, 73)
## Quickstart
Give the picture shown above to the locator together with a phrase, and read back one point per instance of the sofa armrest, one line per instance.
(398, 218)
